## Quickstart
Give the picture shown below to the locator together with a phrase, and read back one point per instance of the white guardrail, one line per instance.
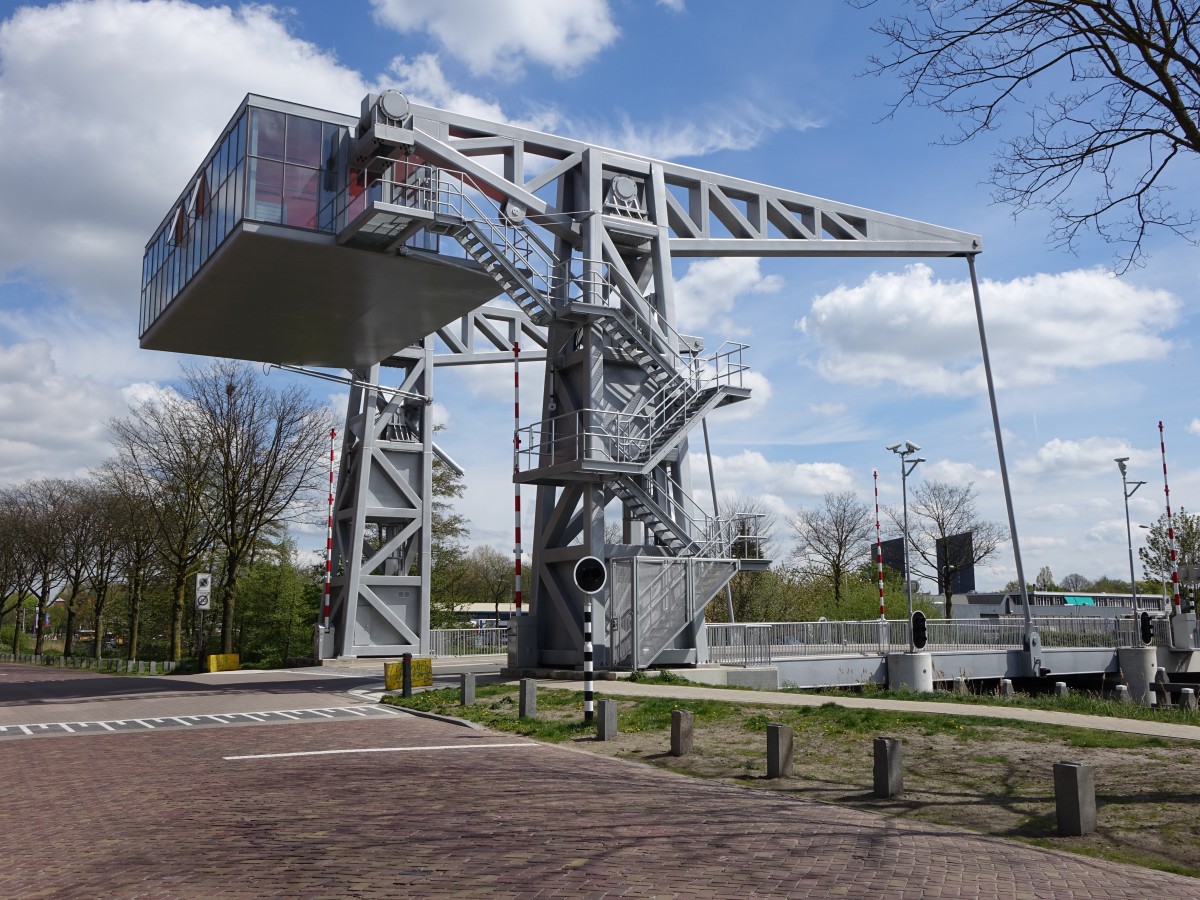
(467, 641)
(758, 644)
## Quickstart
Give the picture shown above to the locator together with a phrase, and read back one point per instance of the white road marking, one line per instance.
(382, 750)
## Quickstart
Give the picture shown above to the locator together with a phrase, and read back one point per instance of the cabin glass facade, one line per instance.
(270, 167)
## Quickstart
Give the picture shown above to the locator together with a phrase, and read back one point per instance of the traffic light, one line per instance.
(920, 633)
(1147, 628)
(590, 575)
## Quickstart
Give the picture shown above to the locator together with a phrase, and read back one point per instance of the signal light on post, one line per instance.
(920, 631)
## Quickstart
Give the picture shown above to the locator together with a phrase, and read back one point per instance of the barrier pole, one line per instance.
(329, 537)
(1162, 443)
(589, 694)
(878, 544)
(516, 483)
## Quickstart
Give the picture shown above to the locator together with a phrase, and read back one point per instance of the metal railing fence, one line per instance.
(761, 643)
(467, 641)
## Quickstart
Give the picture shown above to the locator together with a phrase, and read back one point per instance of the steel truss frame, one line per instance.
(610, 223)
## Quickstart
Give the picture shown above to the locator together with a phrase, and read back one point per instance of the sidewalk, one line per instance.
(624, 688)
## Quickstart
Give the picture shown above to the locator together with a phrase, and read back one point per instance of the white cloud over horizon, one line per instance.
(498, 37)
(920, 333)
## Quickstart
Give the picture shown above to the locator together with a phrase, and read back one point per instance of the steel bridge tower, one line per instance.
(392, 229)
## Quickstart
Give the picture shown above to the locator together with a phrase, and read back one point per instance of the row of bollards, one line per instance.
(1074, 783)
(107, 664)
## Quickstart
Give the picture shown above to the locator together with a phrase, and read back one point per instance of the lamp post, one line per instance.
(1128, 492)
(904, 449)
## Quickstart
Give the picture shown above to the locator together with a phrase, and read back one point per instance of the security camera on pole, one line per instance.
(914, 669)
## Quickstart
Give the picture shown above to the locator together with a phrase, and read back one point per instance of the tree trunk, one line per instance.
(135, 611)
(229, 596)
(41, 612)
(101, 598)
(17, 619)
(179, 596)
(69, 640)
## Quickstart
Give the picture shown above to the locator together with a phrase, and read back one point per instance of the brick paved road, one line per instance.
(450, 811)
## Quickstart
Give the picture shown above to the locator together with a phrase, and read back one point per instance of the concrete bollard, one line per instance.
(779, 751)
(1006, 688)
(888, 768)
(466, 689)
(606, 720)
(960, 685)
(683, 726)
(1187, 700)
(1075, 798)
(1122, 694)
(528, 700)
(1060, 689)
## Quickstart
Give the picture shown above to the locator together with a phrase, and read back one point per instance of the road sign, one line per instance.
(203, 591)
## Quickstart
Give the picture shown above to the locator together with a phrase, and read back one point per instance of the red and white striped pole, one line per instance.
(329, 535)
(516, 469)
(1162, 443)
(878, 544)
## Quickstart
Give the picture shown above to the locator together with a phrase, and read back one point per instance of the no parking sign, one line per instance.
(203, 591)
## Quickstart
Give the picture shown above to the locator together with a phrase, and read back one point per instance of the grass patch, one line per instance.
(988, 775)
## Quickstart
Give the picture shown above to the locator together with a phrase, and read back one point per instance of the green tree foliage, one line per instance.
(1156, 555)
(278, 601)
(448, 569)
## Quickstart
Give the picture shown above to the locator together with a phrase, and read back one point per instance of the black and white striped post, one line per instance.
(590, 577)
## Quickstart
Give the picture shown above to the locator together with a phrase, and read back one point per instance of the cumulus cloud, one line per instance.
(50, 425)
(108, 106)
(738, 125)
(827, 409)
(1194, 427)
(919, 332)
(750, 474)
(1084, 458)
(711, 287)
(497, 37)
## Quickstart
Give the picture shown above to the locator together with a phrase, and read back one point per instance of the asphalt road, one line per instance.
(367, 802)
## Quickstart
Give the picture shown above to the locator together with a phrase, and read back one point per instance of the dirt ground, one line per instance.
(986, 776)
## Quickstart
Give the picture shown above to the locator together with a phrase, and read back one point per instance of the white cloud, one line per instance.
(959, 474)
(750, 474)
(738, 125)
(1194, 427)
(106, 109)
(673, 5)
(497, 37)
(1085, 458)
(921, 333)
(827, 409)
(711, 287)
(50, 425)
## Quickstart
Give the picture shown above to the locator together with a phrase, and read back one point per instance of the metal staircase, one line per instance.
(692, 557)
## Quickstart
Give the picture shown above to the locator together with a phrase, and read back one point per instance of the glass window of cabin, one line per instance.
(265, 198)
(266, 133)
(300, 196)
(303, 141)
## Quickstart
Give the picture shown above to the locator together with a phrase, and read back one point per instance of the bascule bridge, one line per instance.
(404, 238)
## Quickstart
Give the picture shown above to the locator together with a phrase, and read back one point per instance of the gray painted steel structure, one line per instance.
(408, 218)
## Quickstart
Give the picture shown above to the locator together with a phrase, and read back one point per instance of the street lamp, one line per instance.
(904, 449)
(1129, 492)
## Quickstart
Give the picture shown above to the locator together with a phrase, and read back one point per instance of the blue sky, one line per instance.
(107, 107)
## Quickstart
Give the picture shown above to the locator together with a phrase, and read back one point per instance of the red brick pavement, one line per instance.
(162, 814)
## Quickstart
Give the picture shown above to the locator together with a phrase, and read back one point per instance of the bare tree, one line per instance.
(161, 464)
(832, 537)
(41, 505)
(103, 562)
(1113, 94)
(75, 528)
(1075, 582)
(17, 567)
(938, 511)
(267, 458)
